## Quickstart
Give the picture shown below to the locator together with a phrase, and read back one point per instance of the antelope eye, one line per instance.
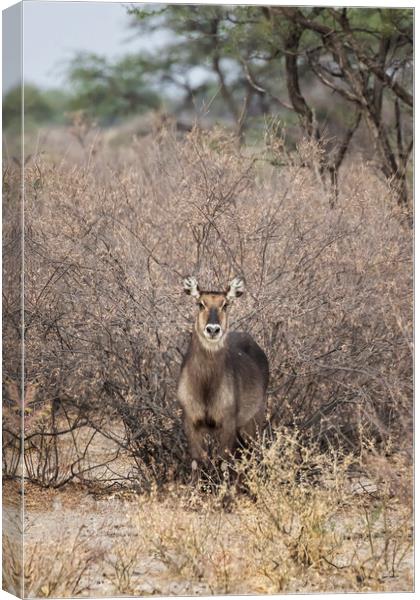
(224, 307)
(201, 305)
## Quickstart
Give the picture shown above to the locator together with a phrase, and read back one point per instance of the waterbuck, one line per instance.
(223, 380)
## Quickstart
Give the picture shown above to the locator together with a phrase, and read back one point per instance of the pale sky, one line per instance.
(55, 31)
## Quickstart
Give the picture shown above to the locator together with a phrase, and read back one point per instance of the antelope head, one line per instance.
(211, 323)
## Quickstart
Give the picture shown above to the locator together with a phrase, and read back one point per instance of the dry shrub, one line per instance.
(329, 290)
(11, 429)
(11, 317)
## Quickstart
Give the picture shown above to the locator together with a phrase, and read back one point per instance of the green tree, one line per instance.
(108, 91)
(262, 58)
(202, 56)
(366, 57)
(40, 106)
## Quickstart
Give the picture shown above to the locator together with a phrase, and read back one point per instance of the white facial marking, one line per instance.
(212, 344)
(213, 331)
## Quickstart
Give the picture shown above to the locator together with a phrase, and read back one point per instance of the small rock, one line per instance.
(363, 486)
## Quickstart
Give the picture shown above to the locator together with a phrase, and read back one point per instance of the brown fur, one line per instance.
(222, 385)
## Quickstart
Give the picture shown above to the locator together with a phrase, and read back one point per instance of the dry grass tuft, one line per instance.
(316, 524)
(51, 569)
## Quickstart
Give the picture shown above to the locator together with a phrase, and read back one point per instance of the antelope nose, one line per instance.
(213, 329)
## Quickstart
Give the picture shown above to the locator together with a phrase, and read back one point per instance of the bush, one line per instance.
(329, 291)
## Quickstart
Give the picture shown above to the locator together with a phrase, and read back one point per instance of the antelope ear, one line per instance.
(191, 287)
(236, 288)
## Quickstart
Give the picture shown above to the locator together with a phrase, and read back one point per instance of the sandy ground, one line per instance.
(103, 522)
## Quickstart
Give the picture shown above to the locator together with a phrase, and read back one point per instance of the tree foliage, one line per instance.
(109, 90)
(266, 59)
(40, 106)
